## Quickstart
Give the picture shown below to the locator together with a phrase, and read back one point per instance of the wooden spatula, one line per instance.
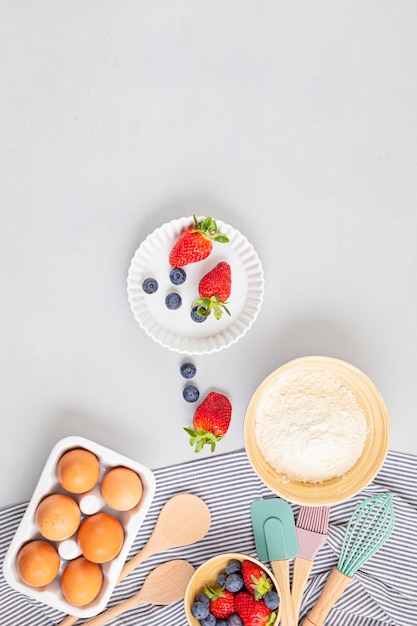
(276, 542)
(183, 520)
(164, 585)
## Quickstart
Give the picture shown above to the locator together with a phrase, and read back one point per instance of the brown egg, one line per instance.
(81, 581)
(58, 517)
(37, 563)
(78, 470)
(121, 488)
(100, 537)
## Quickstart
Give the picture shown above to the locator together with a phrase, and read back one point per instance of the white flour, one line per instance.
(310, 427)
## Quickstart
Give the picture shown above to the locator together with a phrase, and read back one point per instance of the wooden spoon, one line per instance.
(183, 520)
(164, 585)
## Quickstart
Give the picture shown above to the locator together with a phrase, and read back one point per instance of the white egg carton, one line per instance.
(27, 530)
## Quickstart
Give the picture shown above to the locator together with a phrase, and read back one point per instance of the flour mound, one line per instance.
(310, 427)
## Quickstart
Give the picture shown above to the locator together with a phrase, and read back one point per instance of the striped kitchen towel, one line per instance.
(382, 593)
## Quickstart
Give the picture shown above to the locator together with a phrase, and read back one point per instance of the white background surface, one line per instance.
(295, 122)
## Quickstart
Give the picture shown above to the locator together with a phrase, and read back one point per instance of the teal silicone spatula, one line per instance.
(276, 542)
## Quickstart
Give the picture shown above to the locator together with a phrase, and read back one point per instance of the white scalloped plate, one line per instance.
(176, 330)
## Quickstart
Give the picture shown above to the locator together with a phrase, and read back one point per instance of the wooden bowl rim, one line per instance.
(368, 465)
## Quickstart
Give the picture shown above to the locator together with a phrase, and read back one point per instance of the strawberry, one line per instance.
(214, 290)
(211, 421)
(222, 601)
(196, 242)
(256, 579)
(253, 612)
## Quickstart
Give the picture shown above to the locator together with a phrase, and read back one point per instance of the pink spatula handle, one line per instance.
(332, 591)
(302, 569)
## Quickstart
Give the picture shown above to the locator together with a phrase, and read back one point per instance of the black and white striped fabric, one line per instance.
(382, 592)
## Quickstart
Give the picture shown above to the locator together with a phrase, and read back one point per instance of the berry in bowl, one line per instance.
(232, 589)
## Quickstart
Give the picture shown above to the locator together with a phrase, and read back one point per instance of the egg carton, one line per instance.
(89, 503)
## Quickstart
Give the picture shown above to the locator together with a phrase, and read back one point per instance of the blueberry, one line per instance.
(177, 276)
(188, 370)
(234, 582)
(201, 597)
(173, 301)
(150, 285)
(196, 317)
(221, 579)
(199, 610)
(191, 393)
(271, 600)
(221, 622)
(210, 620)
(233, 566)
(234, 620)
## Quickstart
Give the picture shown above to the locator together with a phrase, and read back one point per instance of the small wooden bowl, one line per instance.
(368, 465)
(207, 574)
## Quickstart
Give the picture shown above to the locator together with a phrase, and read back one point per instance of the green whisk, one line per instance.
(368, 529)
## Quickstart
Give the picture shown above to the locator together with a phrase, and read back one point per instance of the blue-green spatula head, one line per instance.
(274, 529)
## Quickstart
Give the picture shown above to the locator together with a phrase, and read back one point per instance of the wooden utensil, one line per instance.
(368, 529)
(311, 529)
(276, 542)
(183, 520)
(164, 585)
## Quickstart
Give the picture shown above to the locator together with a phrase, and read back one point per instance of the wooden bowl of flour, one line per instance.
(317, 431)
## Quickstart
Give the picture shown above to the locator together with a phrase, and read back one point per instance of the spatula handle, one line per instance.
(281, 571)
(116, 610)
(334, 587)
(302, 570)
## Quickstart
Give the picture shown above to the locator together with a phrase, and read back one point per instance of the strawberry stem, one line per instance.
(271, 619)
(200, 438)
(213, 593)
(208, 228)
(207, 305)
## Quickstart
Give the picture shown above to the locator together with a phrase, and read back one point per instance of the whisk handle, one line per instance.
(334, 587)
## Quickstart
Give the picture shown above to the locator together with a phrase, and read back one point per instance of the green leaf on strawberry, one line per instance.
(201, 438)
(208, 305)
